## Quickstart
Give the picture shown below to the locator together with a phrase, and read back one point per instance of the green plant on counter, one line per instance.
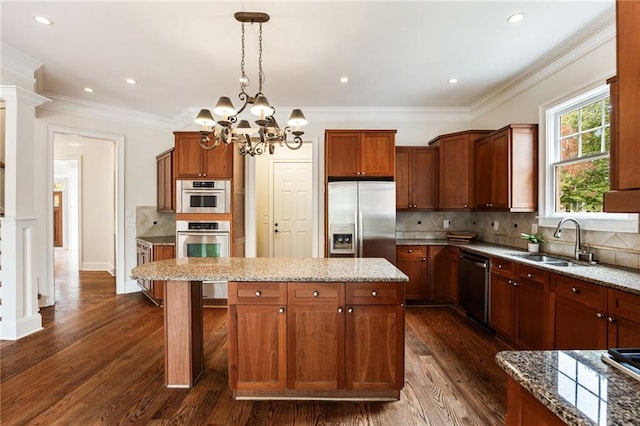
(533, 238)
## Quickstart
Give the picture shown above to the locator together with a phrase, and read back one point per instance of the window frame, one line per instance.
(549, 146)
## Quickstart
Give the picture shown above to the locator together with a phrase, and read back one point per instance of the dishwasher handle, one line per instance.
(482, 263)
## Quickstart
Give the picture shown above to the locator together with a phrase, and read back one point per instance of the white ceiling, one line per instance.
(187, 54)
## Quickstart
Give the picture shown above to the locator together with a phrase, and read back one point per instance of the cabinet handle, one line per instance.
(600, 315)
(281, 310)
(424, 259)
(611, 320)
(499, 266)
(510, 281)
(361, 173)
(529, 275)
(466, 205)
(576, 290)
(515, 284)
(374, 293)
(316, 293)
(258, 293)
(340, 310)
(409, 251)
(204, 174)
(350, 310)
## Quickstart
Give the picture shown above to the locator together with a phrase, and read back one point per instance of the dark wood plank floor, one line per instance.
(99, 360)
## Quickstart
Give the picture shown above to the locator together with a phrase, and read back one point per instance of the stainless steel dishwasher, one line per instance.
(474, 286)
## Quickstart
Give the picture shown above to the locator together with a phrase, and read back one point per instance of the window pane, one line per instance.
(607, 110)
(569, 148)
(591, 116)
(607, 139)
(569, 123)
(581, 186)
(591, 142)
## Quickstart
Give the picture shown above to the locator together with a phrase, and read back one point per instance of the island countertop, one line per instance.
(576, 385)
(271, 269)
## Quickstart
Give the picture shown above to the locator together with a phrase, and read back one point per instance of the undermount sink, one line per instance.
(547, 260)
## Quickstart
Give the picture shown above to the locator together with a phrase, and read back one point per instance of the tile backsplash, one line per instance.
(150, 223)
(621, 249)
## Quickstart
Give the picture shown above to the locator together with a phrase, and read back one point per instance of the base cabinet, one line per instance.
(523, 409)
(412, 260)
(312, 340)
(148, 252)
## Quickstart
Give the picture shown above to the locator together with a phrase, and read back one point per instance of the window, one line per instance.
(578, 137)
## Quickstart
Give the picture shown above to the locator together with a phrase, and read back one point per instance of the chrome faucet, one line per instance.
(579, 253)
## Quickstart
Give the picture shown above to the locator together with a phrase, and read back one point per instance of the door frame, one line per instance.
(272, 163)
(78, 200)
(119, 166)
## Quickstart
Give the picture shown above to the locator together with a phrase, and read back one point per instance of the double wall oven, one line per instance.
(203, 196)
(205, 238)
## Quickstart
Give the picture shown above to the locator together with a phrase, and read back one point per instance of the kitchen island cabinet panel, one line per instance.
(375, 347)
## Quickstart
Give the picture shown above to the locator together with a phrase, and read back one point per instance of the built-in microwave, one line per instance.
(203, 196)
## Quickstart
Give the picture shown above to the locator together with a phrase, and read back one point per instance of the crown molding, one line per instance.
(93, 109)
(18, 63)
(22, 95)
(422, 115)
(598, 32)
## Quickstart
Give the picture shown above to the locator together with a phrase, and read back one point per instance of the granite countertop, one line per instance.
(576, 385)
(271, 269)
(166, 240)
(607, 276)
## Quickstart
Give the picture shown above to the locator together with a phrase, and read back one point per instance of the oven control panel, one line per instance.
(203, 225)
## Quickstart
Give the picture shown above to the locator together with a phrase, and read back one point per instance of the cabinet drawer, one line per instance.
(374, 293)
(316, 293)
(257, 293)
(624, 305)
(533, 274)
(503, 267)
(411, 252)
(580, 291)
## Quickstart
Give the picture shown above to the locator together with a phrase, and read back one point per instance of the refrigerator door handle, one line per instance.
(360, 235)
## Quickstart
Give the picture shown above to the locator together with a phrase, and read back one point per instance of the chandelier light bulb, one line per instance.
(261, 108)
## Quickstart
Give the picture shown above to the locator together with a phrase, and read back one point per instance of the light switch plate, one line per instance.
(534, 228)
(496, 226)
(446, 223)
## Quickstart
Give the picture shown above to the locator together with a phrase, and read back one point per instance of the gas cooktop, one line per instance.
(627, 360)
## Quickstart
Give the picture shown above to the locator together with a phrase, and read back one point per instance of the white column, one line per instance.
(21, 265)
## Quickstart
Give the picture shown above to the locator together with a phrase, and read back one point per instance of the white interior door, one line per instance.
(292, 207)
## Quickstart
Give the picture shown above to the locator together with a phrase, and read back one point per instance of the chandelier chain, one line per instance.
(260, 73)
(244, 80)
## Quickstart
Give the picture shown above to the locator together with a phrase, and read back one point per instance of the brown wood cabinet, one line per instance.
(412, 260)
(455, 184)
(416, 178)
(191, 161)
(623, 317)
(148, 252)
(506, 169)
(443, 273)
(523, 409)
(316, 339)
(625, 150)
(360, 154)
(165, 182)
(519, 303)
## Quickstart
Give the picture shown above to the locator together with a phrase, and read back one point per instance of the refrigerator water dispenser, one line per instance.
(342, 239)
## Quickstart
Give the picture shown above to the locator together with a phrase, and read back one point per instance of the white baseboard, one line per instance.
(98, 266)
(14, 330)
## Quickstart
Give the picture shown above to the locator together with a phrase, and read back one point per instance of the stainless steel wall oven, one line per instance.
(203, 196)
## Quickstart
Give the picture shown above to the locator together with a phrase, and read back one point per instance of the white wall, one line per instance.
(2, 111)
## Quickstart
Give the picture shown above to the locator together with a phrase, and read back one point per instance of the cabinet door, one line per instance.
(530, 314)
(578, 326)
(412, 260)
(483, 170)
(424, 179)
(188, 155)
(403, 174)
(218, 162)
(342, 154)
(624, 319)
(440, 280)
(315, 336)
(502, 312)
(164, 184)
(455, 154)
(454, 259)
(377, 154)
(500, 171)
(375, 347)
(257, 347)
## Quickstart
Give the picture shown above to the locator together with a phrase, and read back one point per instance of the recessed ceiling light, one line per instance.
(131, 81)
(88, 89)
(43, 20)
(516, 17)
(344, 79)
(453, 80)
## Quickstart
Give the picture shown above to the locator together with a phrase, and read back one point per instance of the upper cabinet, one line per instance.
(506, 169)
(360, 154)
(456, 168)
(624, 196)
(194, 162)
(416, 178)
(165, 186)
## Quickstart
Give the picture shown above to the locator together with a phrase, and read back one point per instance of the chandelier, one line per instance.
(252, 140)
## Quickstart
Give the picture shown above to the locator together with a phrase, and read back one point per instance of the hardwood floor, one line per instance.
(99, 360)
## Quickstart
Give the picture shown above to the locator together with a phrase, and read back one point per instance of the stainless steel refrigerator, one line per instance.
(362, 219)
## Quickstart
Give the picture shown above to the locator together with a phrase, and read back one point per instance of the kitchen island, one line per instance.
(572, 387)
(298, 327)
